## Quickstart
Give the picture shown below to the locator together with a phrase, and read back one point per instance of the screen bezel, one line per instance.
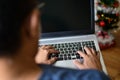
(73, 33)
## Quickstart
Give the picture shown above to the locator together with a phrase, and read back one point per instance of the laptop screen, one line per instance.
(67, 17)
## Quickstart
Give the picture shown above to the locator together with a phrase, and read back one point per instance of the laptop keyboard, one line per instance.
(68, 51)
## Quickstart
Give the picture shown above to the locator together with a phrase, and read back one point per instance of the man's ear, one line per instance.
(33, 24)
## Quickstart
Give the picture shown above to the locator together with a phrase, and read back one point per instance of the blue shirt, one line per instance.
(55, 73)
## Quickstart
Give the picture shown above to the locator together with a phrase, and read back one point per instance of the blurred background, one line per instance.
(107, 24)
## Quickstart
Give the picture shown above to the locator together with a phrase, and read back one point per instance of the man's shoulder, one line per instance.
(57, 73)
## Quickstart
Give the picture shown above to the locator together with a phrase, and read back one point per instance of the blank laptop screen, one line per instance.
(67, 17)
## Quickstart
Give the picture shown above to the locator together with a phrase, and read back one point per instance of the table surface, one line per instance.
(112, 58)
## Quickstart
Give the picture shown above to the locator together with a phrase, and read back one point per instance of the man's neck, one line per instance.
(18, 70)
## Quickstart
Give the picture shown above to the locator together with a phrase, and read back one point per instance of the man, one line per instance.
(19, 34)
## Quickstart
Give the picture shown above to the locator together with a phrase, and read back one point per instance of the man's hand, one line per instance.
(91, 60)
(43, 54)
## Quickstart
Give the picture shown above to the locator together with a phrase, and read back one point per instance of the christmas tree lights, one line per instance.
(107, 19)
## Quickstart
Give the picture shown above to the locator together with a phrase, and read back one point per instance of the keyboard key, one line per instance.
(80, 48)
(94, 48)
(73, 57)
(69, 57)
(60, 58)
(72, 54)
(54, 55)
(65, 57)
(77, 55)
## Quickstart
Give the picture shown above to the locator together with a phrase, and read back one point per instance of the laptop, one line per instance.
(68, 25)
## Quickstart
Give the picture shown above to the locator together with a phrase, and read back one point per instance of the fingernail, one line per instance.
(85, 47)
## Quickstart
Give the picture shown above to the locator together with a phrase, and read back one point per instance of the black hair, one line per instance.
(12, 15)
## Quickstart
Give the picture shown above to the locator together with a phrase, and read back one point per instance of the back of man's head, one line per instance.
(12, 15)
